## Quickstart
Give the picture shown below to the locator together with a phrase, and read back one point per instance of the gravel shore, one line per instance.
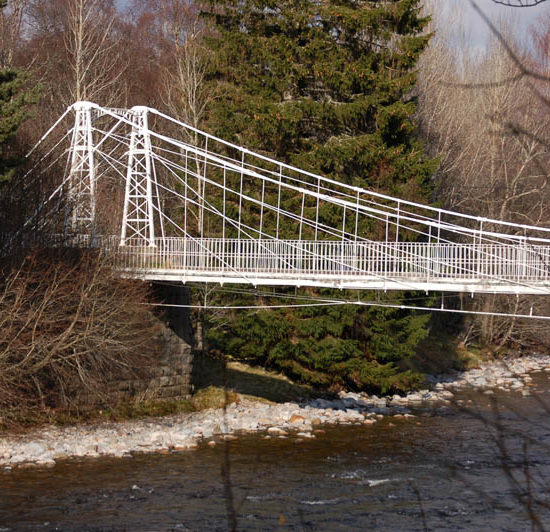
(45, 446)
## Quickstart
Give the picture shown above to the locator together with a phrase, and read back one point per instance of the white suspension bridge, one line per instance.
(196, 208)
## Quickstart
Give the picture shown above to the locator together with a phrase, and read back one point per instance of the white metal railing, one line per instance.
(339, 259)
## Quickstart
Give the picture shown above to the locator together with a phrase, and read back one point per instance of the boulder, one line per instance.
(296, 419)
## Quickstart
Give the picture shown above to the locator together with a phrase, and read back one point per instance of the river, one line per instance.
(443, 470)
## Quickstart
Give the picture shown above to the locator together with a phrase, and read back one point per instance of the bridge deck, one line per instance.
(492, 268)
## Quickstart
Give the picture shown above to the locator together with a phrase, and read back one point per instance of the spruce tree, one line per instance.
(13, 110)
(326, 86)
(14, 100)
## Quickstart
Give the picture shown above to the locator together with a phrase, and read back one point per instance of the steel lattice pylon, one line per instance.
(138, 222)
(81, 197)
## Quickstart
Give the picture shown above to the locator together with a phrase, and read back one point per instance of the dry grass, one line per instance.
(249, 381)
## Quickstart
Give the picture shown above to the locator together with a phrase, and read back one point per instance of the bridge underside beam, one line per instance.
(481, 286)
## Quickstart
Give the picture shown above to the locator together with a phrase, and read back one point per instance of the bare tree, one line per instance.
(68, 326)
(92, 51)
(186, 95)
(484, 120)
(11, 28)
(485, 167)
(75, 45)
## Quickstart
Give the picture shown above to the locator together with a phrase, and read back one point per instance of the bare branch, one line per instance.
(68, 325)
(506, 46)
(519, 3)
(491, 140)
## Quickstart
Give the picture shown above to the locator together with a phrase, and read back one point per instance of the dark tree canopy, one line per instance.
(325, 86)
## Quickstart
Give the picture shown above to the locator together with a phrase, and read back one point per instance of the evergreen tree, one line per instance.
(13, 110)
(14, 100)
(324, 85)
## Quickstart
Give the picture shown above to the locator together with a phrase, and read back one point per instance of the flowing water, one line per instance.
(445, 470)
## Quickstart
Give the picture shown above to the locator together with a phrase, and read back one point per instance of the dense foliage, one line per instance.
(325, 86)
(14, 100)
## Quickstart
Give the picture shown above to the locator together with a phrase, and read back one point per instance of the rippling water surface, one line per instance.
(448, 471)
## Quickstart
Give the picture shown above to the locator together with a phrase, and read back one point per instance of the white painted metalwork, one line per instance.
(487, 268)
(235, 216)
(81, 197)
(137, 220)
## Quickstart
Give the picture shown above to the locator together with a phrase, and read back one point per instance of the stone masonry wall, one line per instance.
(170, 376)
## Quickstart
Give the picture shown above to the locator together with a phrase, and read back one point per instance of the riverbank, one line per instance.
(299, 421)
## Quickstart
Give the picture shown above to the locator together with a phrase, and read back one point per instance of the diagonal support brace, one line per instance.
(138, 227)
(81, 200)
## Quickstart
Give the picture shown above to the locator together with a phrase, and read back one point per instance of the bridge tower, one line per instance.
(138, 222)
(81, 199)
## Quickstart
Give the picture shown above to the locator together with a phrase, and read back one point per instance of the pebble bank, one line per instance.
(300, 421)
